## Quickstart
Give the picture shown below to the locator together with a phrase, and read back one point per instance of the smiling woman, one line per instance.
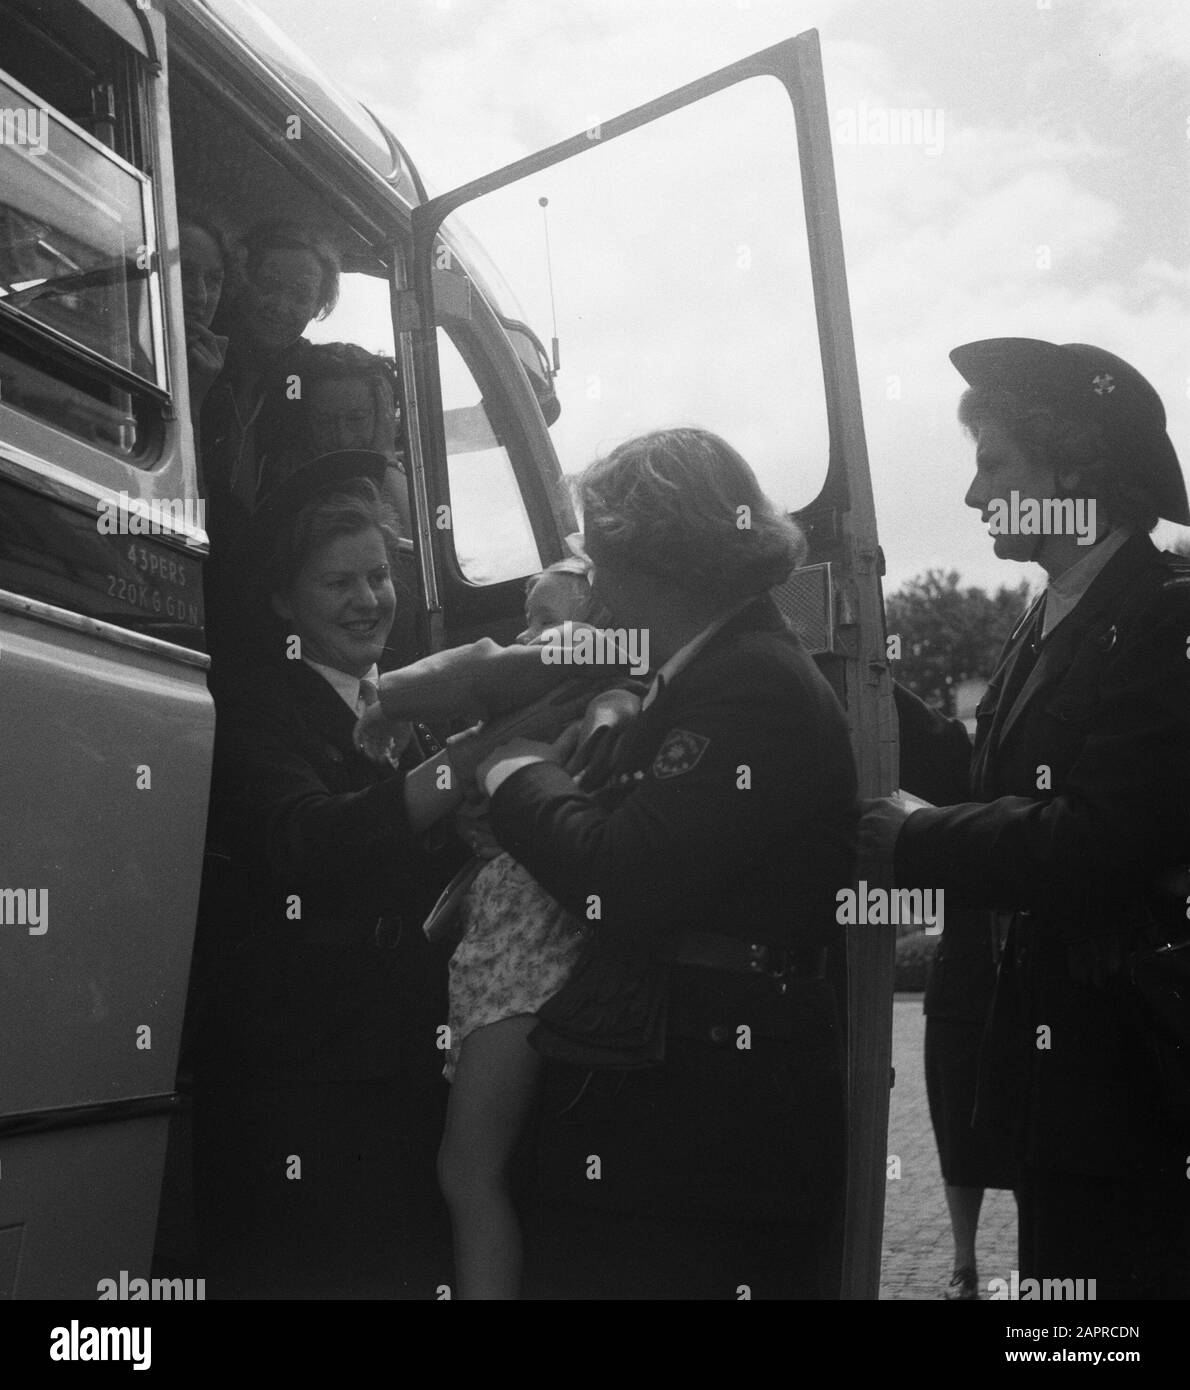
(341, 601)
(316, 1000)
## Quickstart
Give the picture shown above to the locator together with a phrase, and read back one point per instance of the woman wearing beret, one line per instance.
(691, 1133)
(1078, 817)
(320, 1100)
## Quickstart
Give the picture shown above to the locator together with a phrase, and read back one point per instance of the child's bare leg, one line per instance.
(490, 1098)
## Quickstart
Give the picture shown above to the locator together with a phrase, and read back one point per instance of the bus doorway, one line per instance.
(746, 294)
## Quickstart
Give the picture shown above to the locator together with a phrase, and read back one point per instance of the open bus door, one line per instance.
(835, 600)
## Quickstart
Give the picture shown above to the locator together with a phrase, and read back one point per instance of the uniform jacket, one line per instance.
(730, 810)
(350, 989)
(1080, 800)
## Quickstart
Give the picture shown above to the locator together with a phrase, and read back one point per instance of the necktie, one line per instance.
(369, 695)
(1022, 660)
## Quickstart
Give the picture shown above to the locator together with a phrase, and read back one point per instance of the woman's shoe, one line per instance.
(963, 1287)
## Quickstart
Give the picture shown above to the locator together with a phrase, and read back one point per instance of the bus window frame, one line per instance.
(458, 608)
(49, 460)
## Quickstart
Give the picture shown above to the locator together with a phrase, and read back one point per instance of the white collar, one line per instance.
(685, 655)
(344, 685)
(1064, 593)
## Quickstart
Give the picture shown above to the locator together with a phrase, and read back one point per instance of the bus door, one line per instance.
(698, 259)
(106, 723)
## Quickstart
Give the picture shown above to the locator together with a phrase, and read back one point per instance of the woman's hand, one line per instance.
(557, 752)
(880, 824)
(604, 723)
(204, 356)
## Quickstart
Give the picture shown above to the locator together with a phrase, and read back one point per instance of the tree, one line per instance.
(947, 634)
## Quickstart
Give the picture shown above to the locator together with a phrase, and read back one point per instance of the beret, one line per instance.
(1084, 382)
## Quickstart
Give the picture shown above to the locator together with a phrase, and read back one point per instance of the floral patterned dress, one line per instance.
(518, 948)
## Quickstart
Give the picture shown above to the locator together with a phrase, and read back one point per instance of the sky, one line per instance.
(1017, 169)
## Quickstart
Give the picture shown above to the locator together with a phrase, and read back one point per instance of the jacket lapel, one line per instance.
(1059, 648)
(325, 711)
(645, 731)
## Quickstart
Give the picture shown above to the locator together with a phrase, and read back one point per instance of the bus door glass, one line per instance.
(698, 278)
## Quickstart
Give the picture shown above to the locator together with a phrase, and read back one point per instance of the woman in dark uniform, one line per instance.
(957, 1003)
(1076, 815)
(319, 1099)
(691, 1143)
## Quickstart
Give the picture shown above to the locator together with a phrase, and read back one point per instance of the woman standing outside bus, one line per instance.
(692, 1135)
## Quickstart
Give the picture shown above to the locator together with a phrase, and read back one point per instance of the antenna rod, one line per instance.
(543, 203)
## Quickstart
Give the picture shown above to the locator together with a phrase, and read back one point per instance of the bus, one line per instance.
(113, 114)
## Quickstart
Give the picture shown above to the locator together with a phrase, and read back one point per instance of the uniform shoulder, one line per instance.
(1165, 584)
(756, 660)
(258, 691)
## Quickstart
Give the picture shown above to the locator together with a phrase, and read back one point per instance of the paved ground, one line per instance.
(918, 1253)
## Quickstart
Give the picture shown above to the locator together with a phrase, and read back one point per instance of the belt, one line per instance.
(714, 952)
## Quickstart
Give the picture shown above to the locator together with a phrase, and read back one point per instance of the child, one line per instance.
(518, 948)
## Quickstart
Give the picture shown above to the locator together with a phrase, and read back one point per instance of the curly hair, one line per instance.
(279, 234)
(683, 505)
(348, 362)
(344, 509)
(1055, 439)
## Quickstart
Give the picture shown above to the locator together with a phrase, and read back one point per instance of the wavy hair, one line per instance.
(683, 505)
(279, 234)
(345, 509)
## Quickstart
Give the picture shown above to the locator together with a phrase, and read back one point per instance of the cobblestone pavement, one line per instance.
(918, 1253)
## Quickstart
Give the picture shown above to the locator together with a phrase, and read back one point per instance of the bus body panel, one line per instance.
(79, 1205)
(105, 786)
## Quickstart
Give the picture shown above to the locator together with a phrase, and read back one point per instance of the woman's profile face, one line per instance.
(202, 274)
(1003, 467)
(283, 295)
(342, 603)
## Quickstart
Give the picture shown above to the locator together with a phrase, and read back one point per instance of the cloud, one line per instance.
(1053, 209)
(1140, 38)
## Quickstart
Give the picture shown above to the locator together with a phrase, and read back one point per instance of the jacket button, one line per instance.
(719, 1032)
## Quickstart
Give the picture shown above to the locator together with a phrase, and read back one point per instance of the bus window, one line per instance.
(81, 317)
(493, 537)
